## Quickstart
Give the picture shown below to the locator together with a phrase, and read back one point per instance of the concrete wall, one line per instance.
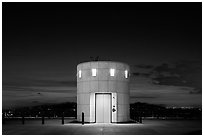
(88, 85)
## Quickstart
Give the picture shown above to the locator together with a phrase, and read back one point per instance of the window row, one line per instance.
(112, 73)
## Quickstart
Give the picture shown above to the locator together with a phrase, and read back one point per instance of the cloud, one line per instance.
(144, 66)
(12, 98)
(196, 91)
(144, 97)
(143, 90)
(50, 82)
(16, 94)
(141, 74)
(185, 73)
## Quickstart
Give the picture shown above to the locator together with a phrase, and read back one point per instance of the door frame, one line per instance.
(110, 104)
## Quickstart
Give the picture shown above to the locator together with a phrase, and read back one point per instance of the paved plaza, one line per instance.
(148, 127)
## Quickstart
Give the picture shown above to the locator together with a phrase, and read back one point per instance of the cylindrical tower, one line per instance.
(103, 91)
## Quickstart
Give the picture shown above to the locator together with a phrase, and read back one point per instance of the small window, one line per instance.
(112, 72)
(93, 72)
(79, 73)
(126, 74)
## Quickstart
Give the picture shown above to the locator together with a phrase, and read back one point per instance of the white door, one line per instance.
(103, 108)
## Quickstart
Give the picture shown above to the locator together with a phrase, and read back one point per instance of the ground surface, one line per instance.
(148, 127)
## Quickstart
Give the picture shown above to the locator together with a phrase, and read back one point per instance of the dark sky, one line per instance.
(43, 43)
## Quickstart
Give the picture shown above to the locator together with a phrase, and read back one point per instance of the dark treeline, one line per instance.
(160, 112)
(136, 110)
(49, 110)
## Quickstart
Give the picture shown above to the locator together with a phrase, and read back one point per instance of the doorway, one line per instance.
(103, 108)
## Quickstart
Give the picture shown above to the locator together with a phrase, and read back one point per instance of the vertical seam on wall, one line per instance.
(98, 77)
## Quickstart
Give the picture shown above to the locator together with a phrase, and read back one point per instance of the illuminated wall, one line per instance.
(103, 77)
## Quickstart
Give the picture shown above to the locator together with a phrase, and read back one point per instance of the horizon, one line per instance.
(52, 104)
